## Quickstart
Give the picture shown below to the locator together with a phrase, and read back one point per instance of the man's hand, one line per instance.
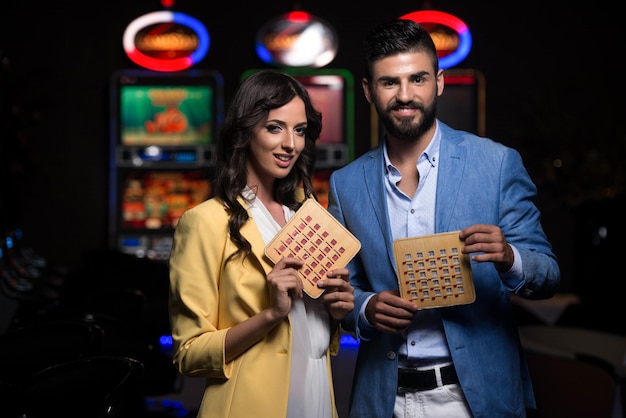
(388, 312)
(489, 240)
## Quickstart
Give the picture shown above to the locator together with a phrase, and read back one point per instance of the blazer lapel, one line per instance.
(452, 165)
(374, 179)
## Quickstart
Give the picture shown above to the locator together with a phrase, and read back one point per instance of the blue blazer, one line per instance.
(479, 181)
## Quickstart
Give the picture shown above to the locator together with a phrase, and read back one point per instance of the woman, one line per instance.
(242, 323)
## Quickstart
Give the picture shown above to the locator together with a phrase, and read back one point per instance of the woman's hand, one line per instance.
(339, 294)
(284, 284)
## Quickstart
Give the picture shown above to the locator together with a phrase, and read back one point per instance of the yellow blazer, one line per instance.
(207, 297)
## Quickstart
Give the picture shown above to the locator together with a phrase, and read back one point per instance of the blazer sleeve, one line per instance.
(521, 224)
(195, 263)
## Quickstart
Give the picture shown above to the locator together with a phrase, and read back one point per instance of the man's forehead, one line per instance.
(403, 64)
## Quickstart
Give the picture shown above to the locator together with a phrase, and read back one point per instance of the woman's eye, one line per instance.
(273, 128)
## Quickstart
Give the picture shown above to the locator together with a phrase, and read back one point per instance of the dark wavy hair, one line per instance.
(255, 97)
(394, 37)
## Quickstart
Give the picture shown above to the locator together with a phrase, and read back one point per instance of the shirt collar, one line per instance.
(431, 153)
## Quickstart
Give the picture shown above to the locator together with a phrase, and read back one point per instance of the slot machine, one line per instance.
(162, 133)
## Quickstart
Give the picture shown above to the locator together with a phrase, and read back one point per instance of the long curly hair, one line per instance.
(256, 96)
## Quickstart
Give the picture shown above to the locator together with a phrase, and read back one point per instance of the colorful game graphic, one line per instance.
(166, 115)
(155, 199)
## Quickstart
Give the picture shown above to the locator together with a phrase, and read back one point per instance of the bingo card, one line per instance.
(432, 271)
(314, 236)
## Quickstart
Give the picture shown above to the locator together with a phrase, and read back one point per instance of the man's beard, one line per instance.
(406, 128)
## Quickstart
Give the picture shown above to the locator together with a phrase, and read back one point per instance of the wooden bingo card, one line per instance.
(314, 236)
(432, 271)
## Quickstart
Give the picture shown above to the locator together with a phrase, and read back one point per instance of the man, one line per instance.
(424, 178)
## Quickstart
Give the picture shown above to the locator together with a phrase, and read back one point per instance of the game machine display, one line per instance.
(462, 104)
(303, 45)
(163, 122)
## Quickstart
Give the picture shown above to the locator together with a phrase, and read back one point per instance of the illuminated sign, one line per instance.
(451, 35)
(166, 41)
(297, 39)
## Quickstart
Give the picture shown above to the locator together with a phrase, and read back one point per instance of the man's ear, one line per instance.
(366, 90)
(440, 83)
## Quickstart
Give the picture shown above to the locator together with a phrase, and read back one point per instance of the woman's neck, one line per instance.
(274, 207)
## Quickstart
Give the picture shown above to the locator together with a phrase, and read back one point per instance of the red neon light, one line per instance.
(164, 20)
(160, 65)
(434, 16)
(460, 79)
(298, 16)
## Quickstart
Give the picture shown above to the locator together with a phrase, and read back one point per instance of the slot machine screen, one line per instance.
(166, 115)
(151, 204)
(156, 199)
(166, 109)
(327, 95)
(462, 104)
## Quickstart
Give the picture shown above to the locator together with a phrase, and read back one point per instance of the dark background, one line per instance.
(553, 91)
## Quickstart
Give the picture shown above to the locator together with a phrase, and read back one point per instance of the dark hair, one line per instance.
(394, 37)
(256, 96)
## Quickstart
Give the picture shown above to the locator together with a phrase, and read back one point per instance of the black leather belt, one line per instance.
(413, 380)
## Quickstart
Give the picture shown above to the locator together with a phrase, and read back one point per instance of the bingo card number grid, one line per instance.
(432, 271)
(314, 236)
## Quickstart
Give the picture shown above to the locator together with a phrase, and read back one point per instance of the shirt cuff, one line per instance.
(513, 279)
(364, 325)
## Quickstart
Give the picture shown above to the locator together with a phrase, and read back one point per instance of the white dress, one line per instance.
(309, 388)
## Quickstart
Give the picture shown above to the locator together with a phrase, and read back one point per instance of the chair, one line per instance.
(588, 368)
(122, 314)
(31, 347)
(89, 387)
(572, 387)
